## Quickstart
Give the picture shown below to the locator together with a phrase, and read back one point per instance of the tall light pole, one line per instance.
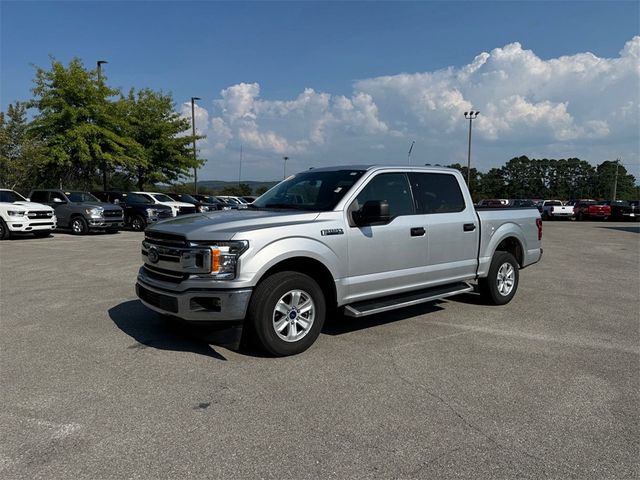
(615, 182)
(195, 156)
(284, 167)
(409, 154)
(240, 169)
(471, 116)
(99, 64)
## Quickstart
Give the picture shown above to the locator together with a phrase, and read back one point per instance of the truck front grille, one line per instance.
(186, 210)
(112, 213)
(161, 238)
(40, 214)
(164, 275)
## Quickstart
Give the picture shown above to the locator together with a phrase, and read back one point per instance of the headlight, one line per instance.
(16, 213)
(224, 258)
(95, 211)
(151, 212)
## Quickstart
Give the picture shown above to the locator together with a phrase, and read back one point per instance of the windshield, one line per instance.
(183, 197)
(81, 197)
(137, 198)
(10, 196)
(161, 197)
(315, 191)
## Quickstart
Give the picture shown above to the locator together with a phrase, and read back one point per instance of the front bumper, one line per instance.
(196, 305)
(106, 222)
(31, 226)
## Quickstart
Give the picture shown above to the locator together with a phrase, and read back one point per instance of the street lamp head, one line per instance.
(466, 113)
(195, 98)
(101, 62)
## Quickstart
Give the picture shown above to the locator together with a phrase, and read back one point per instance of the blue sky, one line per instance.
(202, 48)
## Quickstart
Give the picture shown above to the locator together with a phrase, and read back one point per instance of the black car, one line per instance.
(201, 206)
(622, 210)
(212, 202)
(139, 211)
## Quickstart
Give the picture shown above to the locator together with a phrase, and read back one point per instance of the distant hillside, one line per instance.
(219, 184)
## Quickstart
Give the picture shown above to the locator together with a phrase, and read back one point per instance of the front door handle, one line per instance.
(418, 231)
(469, 227)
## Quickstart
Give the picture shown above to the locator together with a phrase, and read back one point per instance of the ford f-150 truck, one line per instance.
(17, 215)
(366, 239)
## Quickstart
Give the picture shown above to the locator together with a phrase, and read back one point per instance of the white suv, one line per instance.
(17, 215)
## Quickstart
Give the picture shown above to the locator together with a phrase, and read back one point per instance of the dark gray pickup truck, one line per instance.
(80, 211)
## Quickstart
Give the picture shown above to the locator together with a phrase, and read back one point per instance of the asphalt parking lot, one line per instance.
(94, 385)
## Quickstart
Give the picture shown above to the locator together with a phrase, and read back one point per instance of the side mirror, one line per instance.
(373, 212)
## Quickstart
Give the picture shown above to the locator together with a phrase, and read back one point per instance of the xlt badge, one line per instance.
(332, 231)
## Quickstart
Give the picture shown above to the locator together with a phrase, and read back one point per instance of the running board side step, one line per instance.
(379, 305)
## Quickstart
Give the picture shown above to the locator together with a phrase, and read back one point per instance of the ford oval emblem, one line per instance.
(153, 255)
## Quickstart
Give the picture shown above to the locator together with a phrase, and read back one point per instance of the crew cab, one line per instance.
(177, 208)
(80, 211)
(365, 239)
(139, 211)
(590, 209)
(554, 209)
(17, 215)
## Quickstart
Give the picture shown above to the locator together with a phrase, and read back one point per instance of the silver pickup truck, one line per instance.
(366, 239)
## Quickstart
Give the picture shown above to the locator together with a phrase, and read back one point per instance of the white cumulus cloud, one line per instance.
(577, 105)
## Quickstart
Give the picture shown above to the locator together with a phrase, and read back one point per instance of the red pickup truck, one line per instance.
(590, 209)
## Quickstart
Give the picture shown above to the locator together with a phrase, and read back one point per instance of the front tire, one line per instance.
(79, 226)
(286, 313)
(502, 282)
(5, 234)
(138, 223)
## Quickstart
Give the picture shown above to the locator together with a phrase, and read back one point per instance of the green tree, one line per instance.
(241, 190)
(492, 184)
(20, 155)
(261, 190)
(605, 179)
(79, 124)
(163, 135)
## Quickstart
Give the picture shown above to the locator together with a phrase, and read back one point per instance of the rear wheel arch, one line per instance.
(513, 246)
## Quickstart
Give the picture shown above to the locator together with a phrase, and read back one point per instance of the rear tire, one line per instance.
(5, 234)
(79, 226)
(499, 287)
(286, 313)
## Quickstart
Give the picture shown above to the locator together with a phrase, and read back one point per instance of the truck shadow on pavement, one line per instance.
(149, 329)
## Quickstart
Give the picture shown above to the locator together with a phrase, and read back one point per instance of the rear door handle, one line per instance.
(418, 231)
(469, 227)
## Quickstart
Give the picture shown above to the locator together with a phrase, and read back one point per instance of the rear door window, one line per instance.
(39, 197)
(437, 193)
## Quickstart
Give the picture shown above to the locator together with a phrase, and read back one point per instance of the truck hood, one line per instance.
(223, 225)
(106, 206)
(32, 205)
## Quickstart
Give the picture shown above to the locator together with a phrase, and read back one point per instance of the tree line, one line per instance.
(83, 130)
(571, 178)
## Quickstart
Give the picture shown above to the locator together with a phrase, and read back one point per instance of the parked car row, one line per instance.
(81, 212)
(584, 209)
